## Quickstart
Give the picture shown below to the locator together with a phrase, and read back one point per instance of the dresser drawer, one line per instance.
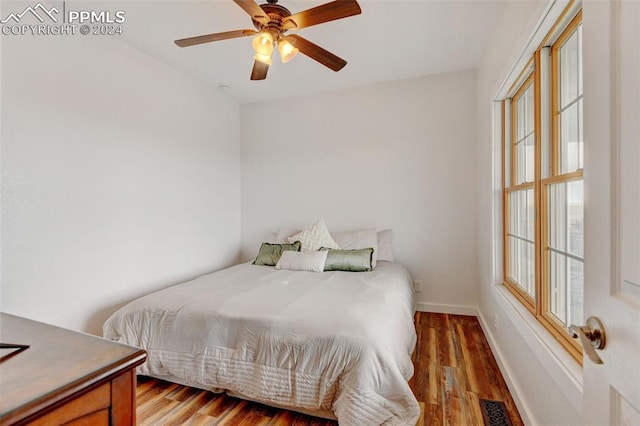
(75, 411)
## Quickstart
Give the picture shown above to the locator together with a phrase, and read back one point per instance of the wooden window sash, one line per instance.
(549, 320)
(525, 80)
(558, 329)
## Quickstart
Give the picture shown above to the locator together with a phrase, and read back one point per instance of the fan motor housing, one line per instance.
(276, 14)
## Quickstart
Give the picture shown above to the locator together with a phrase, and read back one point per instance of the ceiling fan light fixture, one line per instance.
(271, 21)
(287, 50)
(263, 43)
(265, 59)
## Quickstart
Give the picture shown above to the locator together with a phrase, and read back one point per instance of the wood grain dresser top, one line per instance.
(59, 363)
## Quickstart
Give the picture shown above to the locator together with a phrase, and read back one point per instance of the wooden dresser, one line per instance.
(65, 377)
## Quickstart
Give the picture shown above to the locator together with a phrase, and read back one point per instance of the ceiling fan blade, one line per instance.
(191, 41)
(252, 8)
(259, 71)
(317, 53)
(337, 9)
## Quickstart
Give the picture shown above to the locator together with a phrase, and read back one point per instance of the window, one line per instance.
(543, 197)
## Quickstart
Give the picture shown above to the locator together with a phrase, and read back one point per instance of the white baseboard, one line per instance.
(514, 388)
(447, 309)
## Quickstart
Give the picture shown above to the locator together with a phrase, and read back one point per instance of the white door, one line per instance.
(612, 207)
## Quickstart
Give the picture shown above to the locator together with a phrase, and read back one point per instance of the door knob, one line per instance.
(592, 337)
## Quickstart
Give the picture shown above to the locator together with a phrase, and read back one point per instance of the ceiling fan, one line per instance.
(272, 21)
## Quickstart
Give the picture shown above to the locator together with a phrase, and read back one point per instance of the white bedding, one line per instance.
(332, 341)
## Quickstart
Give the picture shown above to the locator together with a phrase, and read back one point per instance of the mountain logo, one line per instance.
(39, 11)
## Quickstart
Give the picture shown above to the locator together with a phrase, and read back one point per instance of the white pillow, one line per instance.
(385, 246)
(361, 238)
(313, 238)
(298, 261)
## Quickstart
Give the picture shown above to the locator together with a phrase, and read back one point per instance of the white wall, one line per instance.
(541, 381)
(395, 155)
(119, 176)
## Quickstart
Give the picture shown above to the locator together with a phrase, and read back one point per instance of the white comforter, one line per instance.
(338, 341)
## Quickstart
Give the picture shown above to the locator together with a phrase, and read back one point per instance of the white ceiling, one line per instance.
(390, 40)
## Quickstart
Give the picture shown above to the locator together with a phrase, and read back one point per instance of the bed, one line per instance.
(332, 344)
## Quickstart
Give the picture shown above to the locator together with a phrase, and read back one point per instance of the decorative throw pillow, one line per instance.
(385, 246)
(361, 238)
(315, 237)
(269, 254)
(298, 261)
(358, 260)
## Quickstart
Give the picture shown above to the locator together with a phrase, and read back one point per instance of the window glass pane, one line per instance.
(569, 139)
(513, 212)
(518, 262)
(524, 259)
(521, 214)
(513, 258)
(524, 133)
(557, 216)
(520, 163)
(521, 239)
(566, 217)
(576, 292)
(580, 60)
(529, 158)
(558, 286)
(530, 235)
(580, 137)
(520, 119)
(575, 219)
(566, 251)
(567, 288)
(531, 284)
(529, 104)
(522, 207)
(569, 70)
(570, 144)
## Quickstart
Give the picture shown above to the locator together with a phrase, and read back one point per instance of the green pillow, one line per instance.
(357, 260)
(269, 254)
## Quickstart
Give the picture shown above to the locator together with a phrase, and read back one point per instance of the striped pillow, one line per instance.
(314, 237)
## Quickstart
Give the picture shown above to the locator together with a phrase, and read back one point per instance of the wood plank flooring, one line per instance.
(454, 369)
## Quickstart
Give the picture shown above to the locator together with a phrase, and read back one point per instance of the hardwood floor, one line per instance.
(454, 369)
(168, 404)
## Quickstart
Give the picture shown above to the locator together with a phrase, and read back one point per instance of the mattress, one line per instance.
(337, 342)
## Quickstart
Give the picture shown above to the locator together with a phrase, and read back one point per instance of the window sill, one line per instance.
(561, 366)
